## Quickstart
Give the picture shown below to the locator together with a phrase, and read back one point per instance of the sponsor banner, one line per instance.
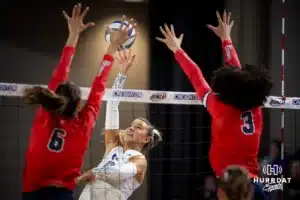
(158, 96)
(185, 97)
(127, 94)
(8, 87)
(276, 101)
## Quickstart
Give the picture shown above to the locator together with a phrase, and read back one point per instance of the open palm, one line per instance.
(224, 27)
(119, 36)
(125, 60)
(75, 22)
(172, 42)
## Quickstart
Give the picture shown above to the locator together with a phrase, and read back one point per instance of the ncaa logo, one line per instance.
(272, 170)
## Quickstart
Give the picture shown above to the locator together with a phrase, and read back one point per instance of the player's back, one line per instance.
(55, 152)
(235, 138)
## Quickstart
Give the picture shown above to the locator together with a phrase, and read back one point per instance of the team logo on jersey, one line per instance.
(272, 179)
(104, 64)
(115, 157)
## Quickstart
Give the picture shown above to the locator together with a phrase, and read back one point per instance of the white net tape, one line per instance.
(150, 96)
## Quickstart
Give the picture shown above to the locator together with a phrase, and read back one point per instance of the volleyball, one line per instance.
(115, 26)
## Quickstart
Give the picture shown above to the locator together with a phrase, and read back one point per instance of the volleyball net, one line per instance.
(16, 121)
(150, 96)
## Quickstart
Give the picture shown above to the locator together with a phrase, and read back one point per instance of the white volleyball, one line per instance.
(115, 26)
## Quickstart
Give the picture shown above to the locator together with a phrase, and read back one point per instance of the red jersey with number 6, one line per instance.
(235, 134)
(57, 145)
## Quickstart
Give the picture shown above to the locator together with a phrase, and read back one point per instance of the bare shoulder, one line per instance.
(140, 161)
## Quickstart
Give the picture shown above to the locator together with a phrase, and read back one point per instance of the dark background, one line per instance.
(33, 33)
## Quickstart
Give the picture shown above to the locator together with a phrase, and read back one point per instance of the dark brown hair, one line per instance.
(64, 101)
(235, 183)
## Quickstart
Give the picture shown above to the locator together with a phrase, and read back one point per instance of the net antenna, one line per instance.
(282, 80)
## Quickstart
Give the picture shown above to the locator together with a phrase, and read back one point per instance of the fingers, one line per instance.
(161, 39)
(118, 56)
(66, 16)
(167, 30)
(108, 28)
(127, 53)
(122, 22)
(78, 10)
(83, 14)
(74, 11)
(129, 25)
(163, 31)
(231, 24)
(228, 18)
(88, 25)
(219, 17)
(212, 28)
(181, 37)
(172, 30)
(132, 59)
(224, 17)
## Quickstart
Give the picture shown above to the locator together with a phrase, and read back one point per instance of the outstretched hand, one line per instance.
(75, 22)
(172, 42)
(125, 60)
(121, 35)
(224, 27)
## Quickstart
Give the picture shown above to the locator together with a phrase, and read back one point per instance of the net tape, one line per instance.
(149, 96)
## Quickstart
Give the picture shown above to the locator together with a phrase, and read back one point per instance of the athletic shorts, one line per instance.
(49, 193)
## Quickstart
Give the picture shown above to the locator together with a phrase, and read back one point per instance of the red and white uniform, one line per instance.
(235, 134)
(57, 145)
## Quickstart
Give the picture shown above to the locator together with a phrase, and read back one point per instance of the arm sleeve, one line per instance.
(93, 103)
(61, 73)
(112, 107)
(193, 72)
(230, 55)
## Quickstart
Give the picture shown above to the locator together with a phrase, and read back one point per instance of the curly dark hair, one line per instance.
(242, 88)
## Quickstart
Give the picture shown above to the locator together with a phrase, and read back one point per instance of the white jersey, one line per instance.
(112, 190)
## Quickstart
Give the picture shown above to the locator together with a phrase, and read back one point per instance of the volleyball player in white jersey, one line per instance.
(124, 164)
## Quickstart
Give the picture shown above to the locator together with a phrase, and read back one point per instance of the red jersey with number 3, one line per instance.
(235, 134)
(57, 145)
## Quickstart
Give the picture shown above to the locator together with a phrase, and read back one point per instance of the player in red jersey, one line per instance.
(61, 133)
(234, 101)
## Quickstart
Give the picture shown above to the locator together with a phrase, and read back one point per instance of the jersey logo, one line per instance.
(104, 64)
(115, 157)
(105, 167)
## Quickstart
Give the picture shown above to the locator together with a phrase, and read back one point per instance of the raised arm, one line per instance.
(93, 103)
(230, 55)
(190, 68)
(76, 26)
(193, 72)
(223, 31)
(111, 138)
